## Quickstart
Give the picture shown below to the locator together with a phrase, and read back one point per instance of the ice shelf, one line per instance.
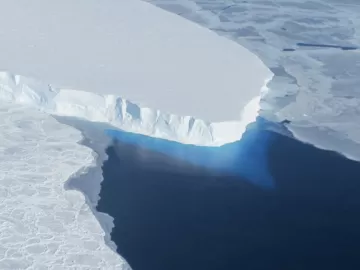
(135, 66)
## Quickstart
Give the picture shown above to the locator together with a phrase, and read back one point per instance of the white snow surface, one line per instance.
(42, 225)
(173, 78)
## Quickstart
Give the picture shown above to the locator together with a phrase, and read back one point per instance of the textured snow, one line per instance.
(316, 88)
(133, 50)
(42, 225)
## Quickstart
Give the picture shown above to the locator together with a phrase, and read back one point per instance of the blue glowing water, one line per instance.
(246, 158)
(175, 208)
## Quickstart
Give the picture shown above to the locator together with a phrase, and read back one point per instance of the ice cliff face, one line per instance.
(124, 114)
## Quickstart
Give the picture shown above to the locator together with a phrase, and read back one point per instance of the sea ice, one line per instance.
(42, 225)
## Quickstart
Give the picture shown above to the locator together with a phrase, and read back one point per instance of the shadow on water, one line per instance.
(171, 213)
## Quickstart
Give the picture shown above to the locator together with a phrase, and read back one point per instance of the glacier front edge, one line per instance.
(124, 114)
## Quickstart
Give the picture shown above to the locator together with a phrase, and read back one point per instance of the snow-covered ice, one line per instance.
(316, 88)
(184, 79)
(42, 225)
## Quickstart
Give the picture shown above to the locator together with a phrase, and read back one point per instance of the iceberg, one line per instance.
(130, 64)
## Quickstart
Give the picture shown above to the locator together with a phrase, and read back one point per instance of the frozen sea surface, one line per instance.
(42, 224)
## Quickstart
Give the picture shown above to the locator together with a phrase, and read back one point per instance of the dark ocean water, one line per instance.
(267, 202)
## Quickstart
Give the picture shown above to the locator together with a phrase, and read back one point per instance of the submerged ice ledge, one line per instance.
(124, 114)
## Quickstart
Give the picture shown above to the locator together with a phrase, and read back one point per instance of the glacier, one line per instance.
(162, 76)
